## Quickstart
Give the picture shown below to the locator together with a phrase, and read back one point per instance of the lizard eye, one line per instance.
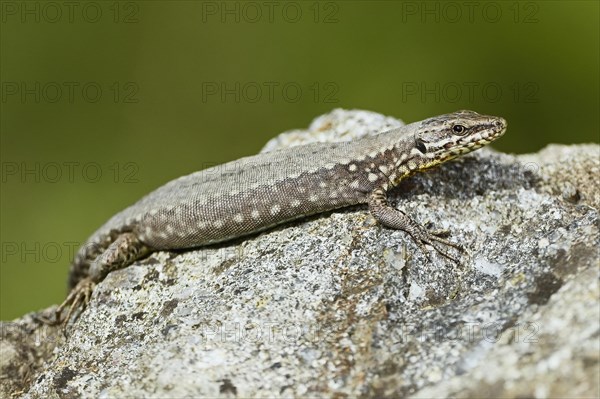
(459, 129)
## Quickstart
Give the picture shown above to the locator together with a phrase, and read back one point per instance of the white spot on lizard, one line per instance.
(275, 209)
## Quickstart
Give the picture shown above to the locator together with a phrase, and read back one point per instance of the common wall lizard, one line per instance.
(255, 193)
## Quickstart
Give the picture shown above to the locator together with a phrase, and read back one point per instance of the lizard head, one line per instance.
(447, 136)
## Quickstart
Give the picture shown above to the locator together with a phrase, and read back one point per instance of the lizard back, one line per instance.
(252, 194)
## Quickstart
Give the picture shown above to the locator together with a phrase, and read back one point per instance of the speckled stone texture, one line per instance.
(338, 306)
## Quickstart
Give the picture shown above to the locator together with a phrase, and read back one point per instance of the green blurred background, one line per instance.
(143, 92)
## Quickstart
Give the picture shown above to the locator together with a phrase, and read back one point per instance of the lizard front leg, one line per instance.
(126, 249)
(395, 219)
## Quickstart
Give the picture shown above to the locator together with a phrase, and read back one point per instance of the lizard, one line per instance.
(256, 193)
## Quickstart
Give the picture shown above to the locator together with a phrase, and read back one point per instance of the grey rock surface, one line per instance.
(338, 306)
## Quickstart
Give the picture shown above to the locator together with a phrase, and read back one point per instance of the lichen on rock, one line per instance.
(337, 305)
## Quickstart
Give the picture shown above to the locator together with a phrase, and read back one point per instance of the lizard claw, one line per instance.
(79, 297)
(443, 233)
(422, 236)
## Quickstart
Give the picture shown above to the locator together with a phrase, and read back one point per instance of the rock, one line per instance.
(338, 306)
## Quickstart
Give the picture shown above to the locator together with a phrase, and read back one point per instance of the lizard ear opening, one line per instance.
(420, 145)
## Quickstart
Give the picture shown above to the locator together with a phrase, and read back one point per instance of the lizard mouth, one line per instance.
(486, 134)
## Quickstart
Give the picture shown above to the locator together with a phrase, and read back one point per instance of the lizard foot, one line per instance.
(79, 297)
(421, 236)
(396, 219)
